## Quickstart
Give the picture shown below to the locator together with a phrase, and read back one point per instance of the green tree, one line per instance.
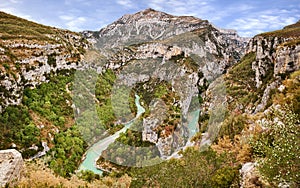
(67, 153)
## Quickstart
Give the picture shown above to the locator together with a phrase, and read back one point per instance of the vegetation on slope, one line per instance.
(240, 83)
(291, 93)
(292, 30)
(50, 100)
(12, 26)
(37, 175)
(274, 135)
(278, 147)
(195, 169)
(97, 115)
(67, 153)
(17, 127)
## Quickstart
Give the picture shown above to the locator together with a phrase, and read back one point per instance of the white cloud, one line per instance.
(66, 17)
(14, 1)
(178, 7)
(126, 3)
(73, 23)
(255, 24)
(76, 24)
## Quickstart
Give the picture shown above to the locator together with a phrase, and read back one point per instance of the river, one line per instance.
(93, 153)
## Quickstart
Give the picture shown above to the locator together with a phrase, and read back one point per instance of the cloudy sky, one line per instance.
(248, 17)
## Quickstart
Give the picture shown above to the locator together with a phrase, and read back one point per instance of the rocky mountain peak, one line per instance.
(147, 14)
(151, 15)
(144, 26)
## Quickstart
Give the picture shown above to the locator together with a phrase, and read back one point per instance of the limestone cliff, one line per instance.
(277, 55)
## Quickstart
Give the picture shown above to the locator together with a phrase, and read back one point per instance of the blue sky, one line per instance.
(248, 17)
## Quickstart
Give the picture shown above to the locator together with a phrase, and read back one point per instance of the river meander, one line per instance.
(93, 153)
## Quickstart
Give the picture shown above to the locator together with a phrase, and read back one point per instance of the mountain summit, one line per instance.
(154, 15)
(145, 26)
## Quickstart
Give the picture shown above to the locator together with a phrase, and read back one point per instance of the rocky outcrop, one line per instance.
(276, 56)
(30, 62)
(11, 166)
(150, 25)
(250, 176)
(287, 59)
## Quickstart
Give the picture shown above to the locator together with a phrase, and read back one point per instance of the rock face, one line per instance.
(277, 54)
(151, 25)
(147, 25)
(11, 165)
(273, 56)
(287, 59)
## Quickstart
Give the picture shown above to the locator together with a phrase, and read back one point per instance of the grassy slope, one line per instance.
(290, 31)
(15, 27)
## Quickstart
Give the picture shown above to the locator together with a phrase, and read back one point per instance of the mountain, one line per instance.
(151, 25)
(223, 107)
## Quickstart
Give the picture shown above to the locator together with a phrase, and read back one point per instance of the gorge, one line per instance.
(153, 86)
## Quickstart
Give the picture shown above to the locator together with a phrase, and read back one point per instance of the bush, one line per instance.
(232, 126)
(88, 175)
(225, 177)
(279, 147)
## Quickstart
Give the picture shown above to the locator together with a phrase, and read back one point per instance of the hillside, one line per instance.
(220, 110)
(28, 53)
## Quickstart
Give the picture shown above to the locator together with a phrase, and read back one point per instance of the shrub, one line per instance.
(88, 175)
(6, 66)
(279, 147)
(225, 177)
(194, 169)
(232, 126)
